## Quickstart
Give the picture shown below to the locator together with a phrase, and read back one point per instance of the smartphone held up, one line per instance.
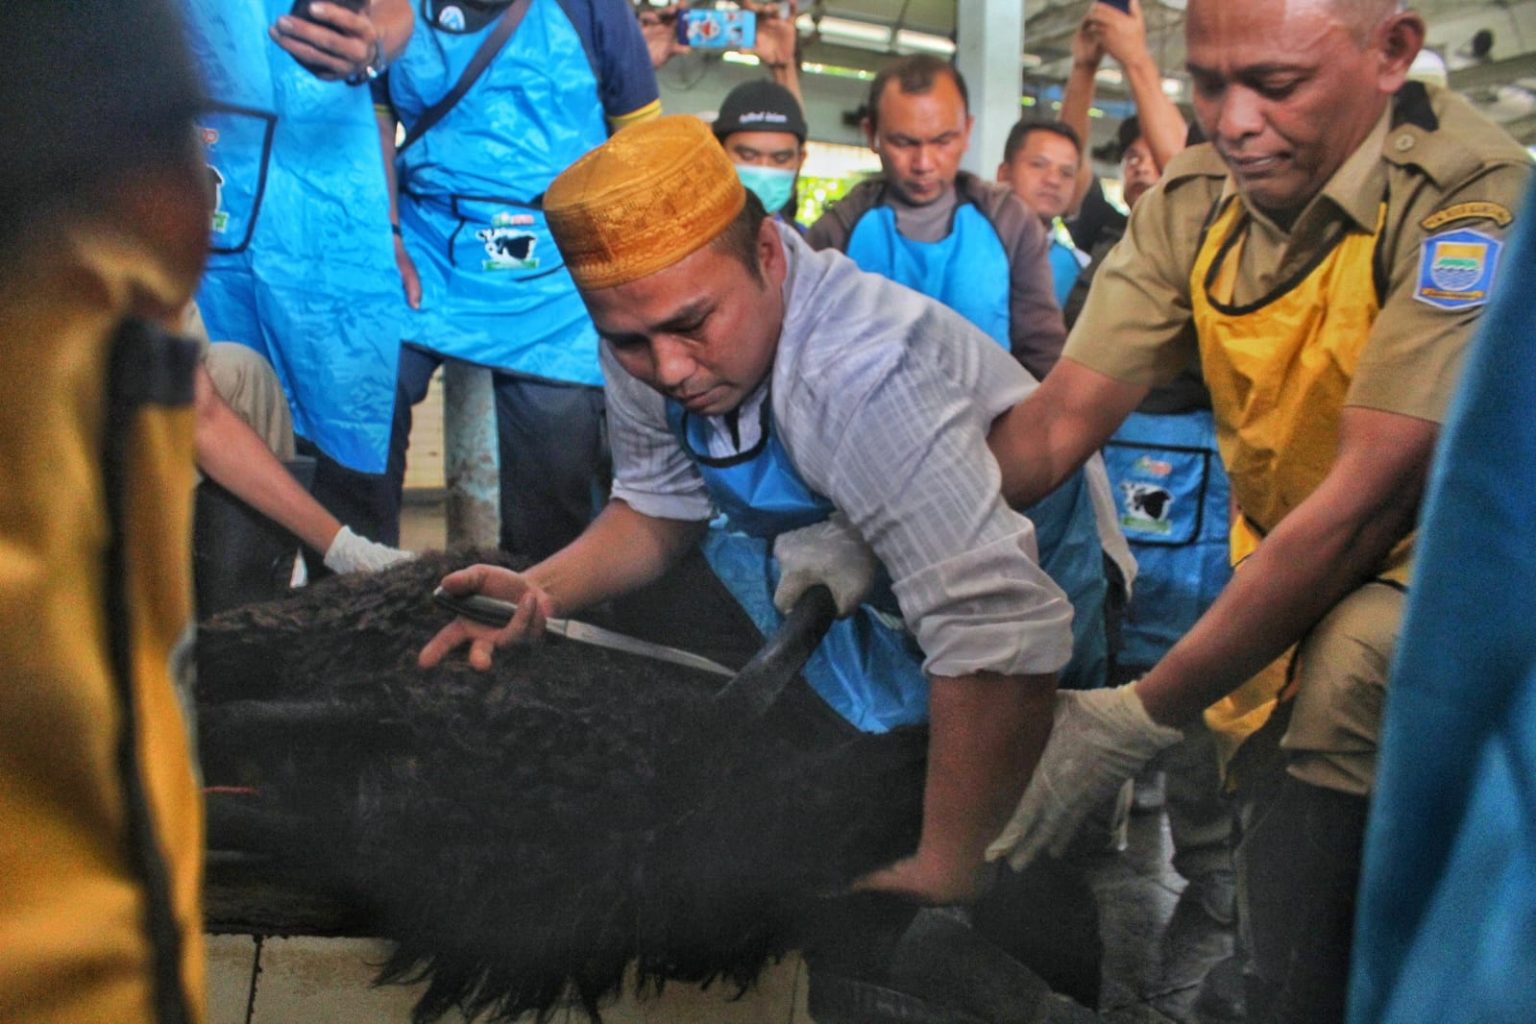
(300, 8)
(717, 30)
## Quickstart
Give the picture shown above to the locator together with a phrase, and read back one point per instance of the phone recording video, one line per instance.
(300, 8)
(717, 30)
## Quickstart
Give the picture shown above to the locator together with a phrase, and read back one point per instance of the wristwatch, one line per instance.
(372, 68)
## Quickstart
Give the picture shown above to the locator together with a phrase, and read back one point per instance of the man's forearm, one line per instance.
(236, 458)
(1161, 123)
(1329, 545)
(1042, 440)
(621, 550)
(394, 22)
(1076, 101)
(986, 732)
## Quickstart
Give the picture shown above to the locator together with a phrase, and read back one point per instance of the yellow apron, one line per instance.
(1279, 370)
(100, 810)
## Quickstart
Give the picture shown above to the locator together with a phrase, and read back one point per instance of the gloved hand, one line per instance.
(1099, 738)
(350, 553)
(829, 552)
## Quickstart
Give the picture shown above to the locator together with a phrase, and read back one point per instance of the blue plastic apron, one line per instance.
(1171, 503)
(302, 265)
(1065, 268)
(962, 271)
(868, 671)
(495, 290)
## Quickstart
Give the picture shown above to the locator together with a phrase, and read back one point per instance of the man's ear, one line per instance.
(1398, 41)
(868, 128)
(770, 252)
(1002, 173)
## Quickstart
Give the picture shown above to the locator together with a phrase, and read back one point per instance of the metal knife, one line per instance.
(490, 611)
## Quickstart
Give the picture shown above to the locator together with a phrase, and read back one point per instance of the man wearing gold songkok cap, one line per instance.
(749, 375)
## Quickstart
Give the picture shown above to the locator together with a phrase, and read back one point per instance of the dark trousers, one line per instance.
(553, 448)
(367, 502)
(1298, 867)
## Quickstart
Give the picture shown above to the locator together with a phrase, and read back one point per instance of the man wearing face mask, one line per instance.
(763, 132)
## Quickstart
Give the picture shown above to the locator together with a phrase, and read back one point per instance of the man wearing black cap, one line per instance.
(763, 132)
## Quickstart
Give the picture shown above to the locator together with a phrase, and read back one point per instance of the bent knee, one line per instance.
(1341, 672)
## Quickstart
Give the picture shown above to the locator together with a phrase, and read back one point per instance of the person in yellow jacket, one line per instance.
(103, 227)
(1325, 258)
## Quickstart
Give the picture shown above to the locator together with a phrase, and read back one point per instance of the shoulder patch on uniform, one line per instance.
(1456, 269)
(1500, 215)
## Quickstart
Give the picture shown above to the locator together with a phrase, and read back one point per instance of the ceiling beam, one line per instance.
(1493, 73)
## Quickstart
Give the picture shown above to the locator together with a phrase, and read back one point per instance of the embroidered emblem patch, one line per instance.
(1456, 269)
(1500, 215)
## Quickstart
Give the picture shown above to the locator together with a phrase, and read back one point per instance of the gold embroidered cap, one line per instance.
(654, 193)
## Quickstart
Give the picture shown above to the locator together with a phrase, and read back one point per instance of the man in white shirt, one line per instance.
(747, 373)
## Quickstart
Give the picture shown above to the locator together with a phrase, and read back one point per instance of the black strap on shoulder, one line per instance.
(148, 367)
(489, 48)
(1381, 274)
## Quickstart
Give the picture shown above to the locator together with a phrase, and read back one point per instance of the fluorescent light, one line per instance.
(848, 30)
(869, 35)
(1109, 76)
(1173, 88)
(837, 71)
(925, 42)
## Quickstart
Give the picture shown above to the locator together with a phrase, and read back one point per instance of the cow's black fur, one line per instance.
(524, 835)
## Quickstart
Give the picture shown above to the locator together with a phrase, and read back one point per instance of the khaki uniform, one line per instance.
(1431, 184)
(246, 381)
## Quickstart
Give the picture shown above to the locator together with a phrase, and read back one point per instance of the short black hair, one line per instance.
(1019, 133)
(915, 74)
(738, 239)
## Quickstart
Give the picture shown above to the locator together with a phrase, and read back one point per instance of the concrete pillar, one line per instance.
(470, 463)
(989, 37)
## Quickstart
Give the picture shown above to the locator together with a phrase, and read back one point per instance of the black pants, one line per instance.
(551, 444)
(1298, 869)
(366, 502)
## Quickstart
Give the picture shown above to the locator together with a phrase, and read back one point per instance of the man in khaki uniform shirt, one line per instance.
(1326, 258)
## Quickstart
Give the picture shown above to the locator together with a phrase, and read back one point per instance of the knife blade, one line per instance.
(491, 611)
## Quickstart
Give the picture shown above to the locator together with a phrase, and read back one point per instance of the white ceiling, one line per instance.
(1502, 81)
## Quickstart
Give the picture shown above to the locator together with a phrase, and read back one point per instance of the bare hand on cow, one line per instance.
(534, 608)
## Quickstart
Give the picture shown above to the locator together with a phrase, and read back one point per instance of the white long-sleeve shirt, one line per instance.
(883, 400)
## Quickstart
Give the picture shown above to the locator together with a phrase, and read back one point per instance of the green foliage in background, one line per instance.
(816, 193)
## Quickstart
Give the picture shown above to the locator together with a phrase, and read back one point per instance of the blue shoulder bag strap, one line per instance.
(489, 48)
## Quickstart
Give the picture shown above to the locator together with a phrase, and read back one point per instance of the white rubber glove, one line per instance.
(1099, 738)
(829, 552)
(350, 553)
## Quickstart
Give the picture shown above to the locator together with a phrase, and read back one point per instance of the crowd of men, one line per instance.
(889, 401)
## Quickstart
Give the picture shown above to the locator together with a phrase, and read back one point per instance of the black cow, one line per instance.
(1148, 500)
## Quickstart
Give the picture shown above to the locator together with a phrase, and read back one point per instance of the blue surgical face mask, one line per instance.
(772, 186)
